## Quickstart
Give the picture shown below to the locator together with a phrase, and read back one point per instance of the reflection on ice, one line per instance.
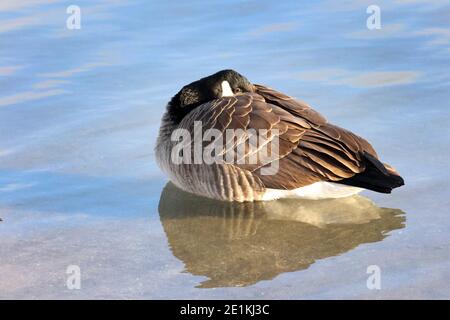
(239, 244)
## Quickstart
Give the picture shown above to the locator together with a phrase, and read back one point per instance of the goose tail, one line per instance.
(377, 176)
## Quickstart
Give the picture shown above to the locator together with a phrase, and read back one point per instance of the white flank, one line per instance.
(226, 89)
(315, 191)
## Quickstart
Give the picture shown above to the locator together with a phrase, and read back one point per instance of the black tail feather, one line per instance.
(376, 177)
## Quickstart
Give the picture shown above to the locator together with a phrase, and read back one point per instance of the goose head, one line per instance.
(221, 84)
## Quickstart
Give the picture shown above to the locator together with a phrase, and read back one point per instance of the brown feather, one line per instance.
(310, 149)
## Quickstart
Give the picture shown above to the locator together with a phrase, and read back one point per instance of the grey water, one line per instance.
(79, 115)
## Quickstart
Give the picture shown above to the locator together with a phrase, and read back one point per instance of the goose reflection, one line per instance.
(239, 244)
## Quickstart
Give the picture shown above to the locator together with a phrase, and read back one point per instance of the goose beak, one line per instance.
(226, 89)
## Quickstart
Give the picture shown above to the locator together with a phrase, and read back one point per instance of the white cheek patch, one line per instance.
(226, 89)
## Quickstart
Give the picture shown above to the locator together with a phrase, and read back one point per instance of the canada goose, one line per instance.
(314, 158)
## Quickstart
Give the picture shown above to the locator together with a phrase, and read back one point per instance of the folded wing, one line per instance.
(309, 148)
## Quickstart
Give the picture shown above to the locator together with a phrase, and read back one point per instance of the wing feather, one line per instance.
(310, 148)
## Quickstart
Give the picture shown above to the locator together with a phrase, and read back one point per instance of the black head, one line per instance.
(222, 83)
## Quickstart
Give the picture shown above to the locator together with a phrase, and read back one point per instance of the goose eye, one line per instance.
(237, 90)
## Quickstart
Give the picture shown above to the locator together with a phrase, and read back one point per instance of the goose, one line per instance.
(311, 158)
